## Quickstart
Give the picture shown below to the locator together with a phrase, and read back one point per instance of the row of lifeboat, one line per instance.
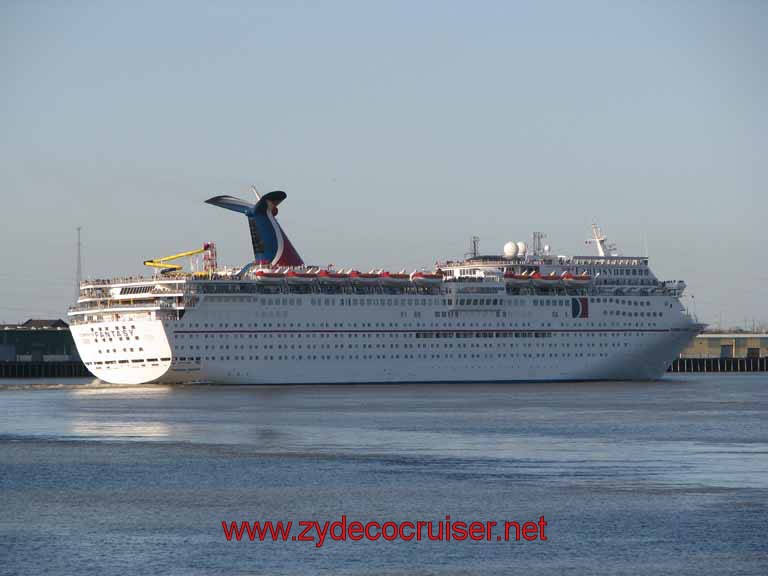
(551, 280)
(354, 277)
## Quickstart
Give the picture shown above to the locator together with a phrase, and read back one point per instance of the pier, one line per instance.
(65, 369)
(76, 369)
(719, 365)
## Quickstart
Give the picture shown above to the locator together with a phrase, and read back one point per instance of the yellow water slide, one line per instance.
(165, 264)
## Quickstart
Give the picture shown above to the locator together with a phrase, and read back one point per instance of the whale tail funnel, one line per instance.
(270, 244)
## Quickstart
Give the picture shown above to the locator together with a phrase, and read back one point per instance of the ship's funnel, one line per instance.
(270, 244)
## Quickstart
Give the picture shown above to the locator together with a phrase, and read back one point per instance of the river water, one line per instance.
(631, 478)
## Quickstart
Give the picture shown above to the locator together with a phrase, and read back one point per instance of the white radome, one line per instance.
(510, 250)
(521, 249)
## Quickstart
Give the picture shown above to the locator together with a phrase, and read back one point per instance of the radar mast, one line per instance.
(600, 240)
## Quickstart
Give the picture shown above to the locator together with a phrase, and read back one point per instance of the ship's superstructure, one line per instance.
(524, 315)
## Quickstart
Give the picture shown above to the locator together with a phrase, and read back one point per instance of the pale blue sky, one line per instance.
(398, 129)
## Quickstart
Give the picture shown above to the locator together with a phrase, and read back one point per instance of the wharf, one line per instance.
(719, 365)
(56, 369)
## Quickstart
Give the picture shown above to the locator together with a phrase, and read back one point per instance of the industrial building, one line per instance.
(37, 341)
(39, 349)
(727, 345)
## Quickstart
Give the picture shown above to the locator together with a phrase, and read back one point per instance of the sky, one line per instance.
(397, 129)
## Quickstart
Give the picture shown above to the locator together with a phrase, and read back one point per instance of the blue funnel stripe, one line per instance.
(264, 238)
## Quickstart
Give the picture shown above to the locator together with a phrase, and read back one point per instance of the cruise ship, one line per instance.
(525, 314)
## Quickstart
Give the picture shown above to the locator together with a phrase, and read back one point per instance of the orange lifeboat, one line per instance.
(363, 279)
(551, 280)
(328, 277)
(389, 279)
(427, 279)
(582, 279)
(512, 279)
(269, 277)
(300, 278)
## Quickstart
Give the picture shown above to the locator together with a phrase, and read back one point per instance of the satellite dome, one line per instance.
(521, 249)
(510, 250)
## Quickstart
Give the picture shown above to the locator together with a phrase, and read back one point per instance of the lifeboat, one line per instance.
(426, 279)
(269, 277)
(363, 279)
(328, 277)
(300, 278)
(388, 279)
(583, 279)
(551, 280)
(512, 279)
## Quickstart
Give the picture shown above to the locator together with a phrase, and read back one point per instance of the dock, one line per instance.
(58, 369)
(684, 365)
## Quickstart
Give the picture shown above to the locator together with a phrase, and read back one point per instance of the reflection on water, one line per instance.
(107, 430)
(7, 384)
(98, 388)
(102, 423)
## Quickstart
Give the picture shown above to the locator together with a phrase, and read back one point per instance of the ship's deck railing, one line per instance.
(546, 259)
(609, 260)
(161, 279)
(191, 298)
(88, 306)
(220, 284)
(131, 280)
(237, 286)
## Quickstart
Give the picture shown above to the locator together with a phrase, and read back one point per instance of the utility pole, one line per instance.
(79, 276)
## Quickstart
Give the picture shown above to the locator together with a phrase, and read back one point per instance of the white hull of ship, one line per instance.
(247, 343)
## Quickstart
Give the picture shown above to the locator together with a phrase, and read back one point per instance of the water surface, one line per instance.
(633, 478)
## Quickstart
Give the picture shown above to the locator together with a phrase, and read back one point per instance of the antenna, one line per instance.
(474, 246)
(600, 240)
(79, 274)
(255, 192)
